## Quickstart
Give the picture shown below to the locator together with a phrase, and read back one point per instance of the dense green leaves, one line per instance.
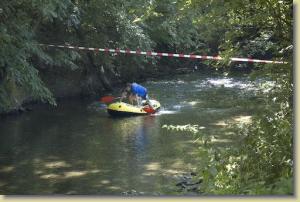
(258, 29)
(19, 76)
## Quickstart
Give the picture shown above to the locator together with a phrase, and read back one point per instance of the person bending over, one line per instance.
(135, 92)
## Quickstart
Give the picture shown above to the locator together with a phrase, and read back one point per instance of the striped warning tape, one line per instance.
(178, 55)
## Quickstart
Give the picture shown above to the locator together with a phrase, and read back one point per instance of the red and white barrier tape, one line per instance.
(151, 53)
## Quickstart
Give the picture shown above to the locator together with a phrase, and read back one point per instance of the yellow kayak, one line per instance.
(125, 109)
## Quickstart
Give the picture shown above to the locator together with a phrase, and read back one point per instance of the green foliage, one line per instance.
(195, 130)
(190, 128)
(19, 21)
(264, 162)
(261, 163)
(262, 29)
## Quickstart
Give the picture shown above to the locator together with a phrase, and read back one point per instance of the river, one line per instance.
(77, 148)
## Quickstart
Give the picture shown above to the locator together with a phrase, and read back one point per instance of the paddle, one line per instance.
(108, 99)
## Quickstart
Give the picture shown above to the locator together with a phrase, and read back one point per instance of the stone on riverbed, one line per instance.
(189, 182)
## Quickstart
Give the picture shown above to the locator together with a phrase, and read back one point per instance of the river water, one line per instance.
(77, 148)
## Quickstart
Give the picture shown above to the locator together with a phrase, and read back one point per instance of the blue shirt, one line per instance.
(138, 90)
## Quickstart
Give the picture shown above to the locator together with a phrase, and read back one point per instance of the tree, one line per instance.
(18, 75)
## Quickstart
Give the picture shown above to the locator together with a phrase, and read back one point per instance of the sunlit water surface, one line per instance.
(77, 148)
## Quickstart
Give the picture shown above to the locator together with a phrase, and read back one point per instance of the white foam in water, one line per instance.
(230, 83)
(162, 112)
(180, 82)
(219, 82)
(177, 106)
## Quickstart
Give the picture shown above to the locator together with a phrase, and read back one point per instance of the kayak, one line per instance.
(125, 109)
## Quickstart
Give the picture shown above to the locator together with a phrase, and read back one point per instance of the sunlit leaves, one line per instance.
(190, 128)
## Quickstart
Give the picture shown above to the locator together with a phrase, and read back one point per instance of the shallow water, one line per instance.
(77, 148)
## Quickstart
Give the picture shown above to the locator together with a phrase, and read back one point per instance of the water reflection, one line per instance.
(77, 148)
(135, 131)
(131, 125)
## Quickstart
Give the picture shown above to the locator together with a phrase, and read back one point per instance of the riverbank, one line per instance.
(78, 84)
